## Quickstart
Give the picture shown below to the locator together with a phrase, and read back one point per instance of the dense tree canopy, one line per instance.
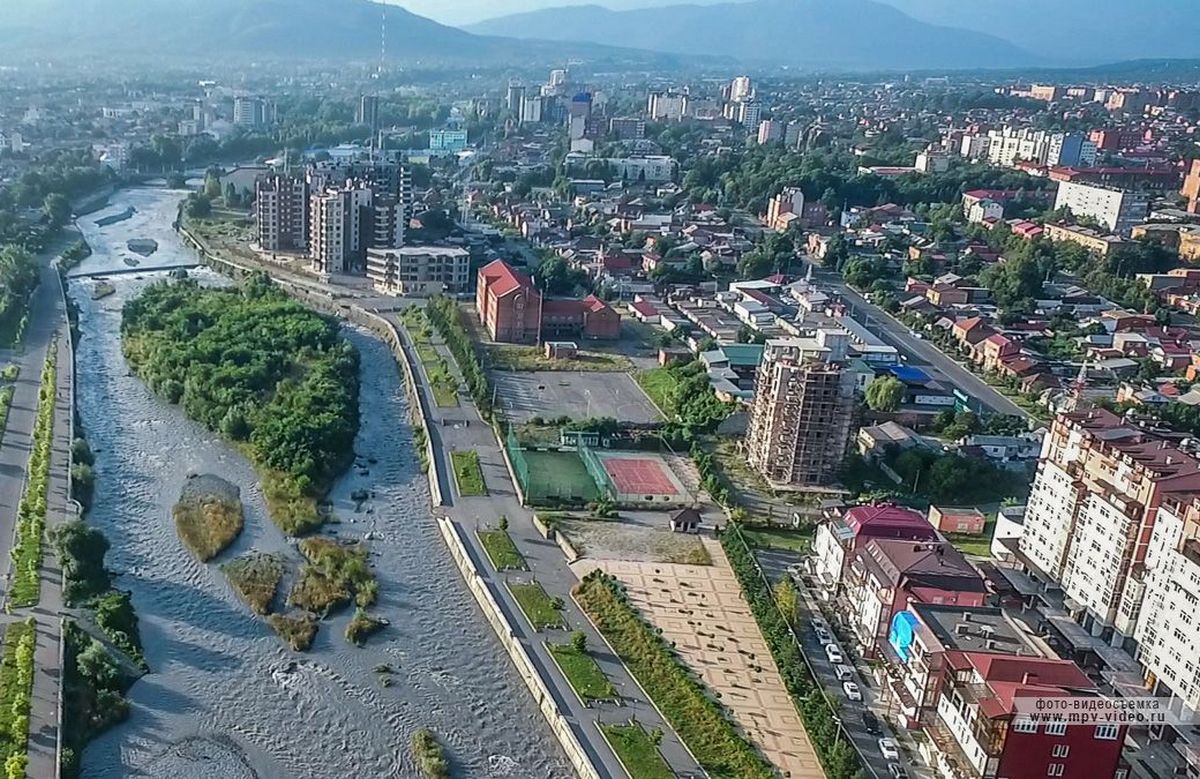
(253, 365)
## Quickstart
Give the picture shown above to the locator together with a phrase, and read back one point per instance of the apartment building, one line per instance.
(803, 410)
(981, 732)
(281, 213)
(339, 221)
(1118, 210)
(1092, 513)
(885, 576)
(923, 634)
(419, 270)
(839, 535)
(1084, 236)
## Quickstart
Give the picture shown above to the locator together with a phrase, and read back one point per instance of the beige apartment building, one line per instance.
(803, 409)
(419, 270)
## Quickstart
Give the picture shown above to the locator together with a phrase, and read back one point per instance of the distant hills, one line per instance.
(249, 29)
(264, 28)
(850, 34)
(1076, 31)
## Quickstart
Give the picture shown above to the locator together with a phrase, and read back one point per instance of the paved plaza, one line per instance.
(701, 610)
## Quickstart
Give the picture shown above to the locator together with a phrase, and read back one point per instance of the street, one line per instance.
(919, 353)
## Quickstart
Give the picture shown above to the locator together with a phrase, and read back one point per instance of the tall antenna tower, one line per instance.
(382, 40)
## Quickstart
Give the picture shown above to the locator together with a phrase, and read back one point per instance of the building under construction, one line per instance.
(803, 410)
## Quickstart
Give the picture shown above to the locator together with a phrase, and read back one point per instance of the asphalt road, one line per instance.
(919, 353)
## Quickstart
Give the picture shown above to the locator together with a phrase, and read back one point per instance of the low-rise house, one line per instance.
(949, 519)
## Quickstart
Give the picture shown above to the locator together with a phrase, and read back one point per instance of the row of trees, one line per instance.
(255, 366)
(446, 318)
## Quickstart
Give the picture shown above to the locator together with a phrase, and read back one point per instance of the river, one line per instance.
(226, 698)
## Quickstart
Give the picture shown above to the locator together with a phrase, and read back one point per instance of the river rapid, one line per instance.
(226, 698)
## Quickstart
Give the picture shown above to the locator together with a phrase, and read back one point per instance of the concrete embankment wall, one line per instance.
(520, 658)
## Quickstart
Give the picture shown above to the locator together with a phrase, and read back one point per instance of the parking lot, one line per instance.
(551, 394)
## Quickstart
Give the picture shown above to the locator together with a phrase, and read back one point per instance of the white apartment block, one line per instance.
(1168, 627)
(1093, 512)
(655, 167)
(419, 270)
(666, 105)
(1118, 210)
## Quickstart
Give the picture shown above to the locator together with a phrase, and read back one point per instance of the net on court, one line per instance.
(642, 478)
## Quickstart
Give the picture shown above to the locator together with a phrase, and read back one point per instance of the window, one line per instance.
(1056, 729)
(1107, 732)
(1055, 769)
(1026, 725)
(1060, 750)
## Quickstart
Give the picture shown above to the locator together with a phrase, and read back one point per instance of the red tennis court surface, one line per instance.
(639, 476)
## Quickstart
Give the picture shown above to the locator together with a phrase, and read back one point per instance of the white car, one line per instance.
(819, 624)
(843, 672)
(834, 654)
(852, 691)
(824, 636)
(889, 749)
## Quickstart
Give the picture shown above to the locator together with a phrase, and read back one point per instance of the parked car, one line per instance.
(824, 636)
(889, 749)
(834, 654)
(897, 771)
(844, 672)
(852, 691)
(819, 624)
(871, 722)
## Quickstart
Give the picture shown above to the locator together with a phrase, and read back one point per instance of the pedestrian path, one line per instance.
(461, 429)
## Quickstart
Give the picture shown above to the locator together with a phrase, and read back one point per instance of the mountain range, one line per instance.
(1076, 31)
(849, 34)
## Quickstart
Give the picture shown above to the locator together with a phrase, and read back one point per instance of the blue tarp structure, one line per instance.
(903, 633)
(909, 375)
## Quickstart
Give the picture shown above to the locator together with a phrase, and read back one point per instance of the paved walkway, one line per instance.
(47, 318)
(462, 428)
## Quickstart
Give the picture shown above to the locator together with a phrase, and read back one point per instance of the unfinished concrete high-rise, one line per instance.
(803, 410)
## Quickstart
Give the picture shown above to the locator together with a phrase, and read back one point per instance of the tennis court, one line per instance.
(642, 477)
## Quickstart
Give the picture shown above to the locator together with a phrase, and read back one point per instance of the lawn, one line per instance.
(780, 538)
(583, 673)
(441, 380)
(659, 384)
(541, 610)
(467, 473)
(637, 751)
(508, 357)
(560, 476)
(501, 550)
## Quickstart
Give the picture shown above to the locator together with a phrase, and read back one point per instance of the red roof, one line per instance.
(594, 304)
(644, 308)
(888, 521)
(501, 278)
(1009, 677)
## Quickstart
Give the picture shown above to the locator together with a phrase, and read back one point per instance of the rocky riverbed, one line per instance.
(225, 697)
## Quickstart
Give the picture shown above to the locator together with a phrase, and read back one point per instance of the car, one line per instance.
(834, 654)
(819, 624)
(889, 749)
(852, 691)
(843, 672)
(824, 636)
(896, 771)
(871, 722)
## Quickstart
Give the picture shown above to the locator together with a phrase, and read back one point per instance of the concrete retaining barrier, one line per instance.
(567, 547)
(520, 658)
(545, 530)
